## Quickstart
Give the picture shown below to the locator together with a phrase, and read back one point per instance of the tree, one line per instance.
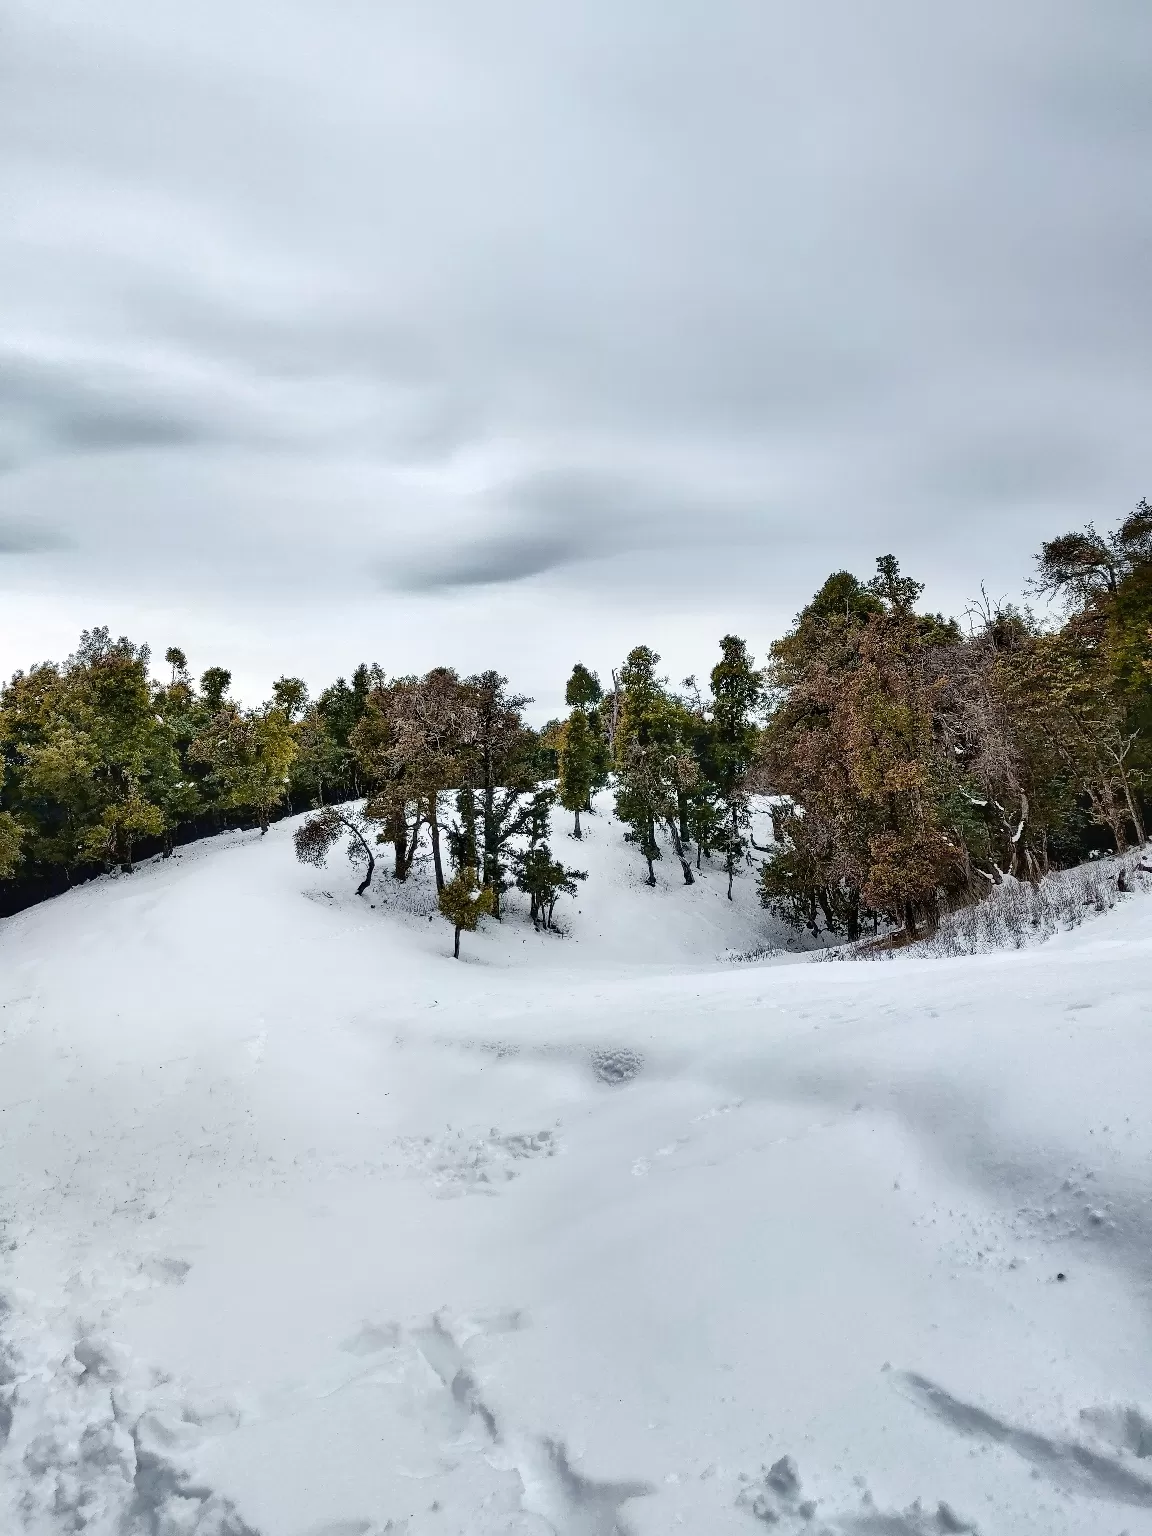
(11, 837)
(464, 901)
(851, 745)
(250, 754)
(580, 757)
(314, 838)
(393, 801)
(214, 686)
(177, 660)
(583, 690)
(542, 878)
(737, 691)
(321, 766)
(290, 695)
(500, 768)
(654, 769)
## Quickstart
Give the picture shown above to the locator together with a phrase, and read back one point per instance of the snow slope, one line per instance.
(308, 1229)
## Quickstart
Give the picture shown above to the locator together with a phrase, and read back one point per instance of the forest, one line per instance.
(915, 761)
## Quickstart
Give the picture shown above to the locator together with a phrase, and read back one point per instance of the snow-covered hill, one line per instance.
(307, 1228)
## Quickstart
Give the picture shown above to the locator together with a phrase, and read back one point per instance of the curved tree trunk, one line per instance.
(674, 832)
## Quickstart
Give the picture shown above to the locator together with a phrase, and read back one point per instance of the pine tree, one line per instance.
(542, 878)
(737, 691)
(580, 760)
(464, 901)
(655, 772)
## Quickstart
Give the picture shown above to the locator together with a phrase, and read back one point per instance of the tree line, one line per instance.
(913, 760)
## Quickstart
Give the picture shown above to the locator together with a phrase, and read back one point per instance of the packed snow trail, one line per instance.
(307, 1228)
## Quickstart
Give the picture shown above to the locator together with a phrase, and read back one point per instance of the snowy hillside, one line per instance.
(308, 1230)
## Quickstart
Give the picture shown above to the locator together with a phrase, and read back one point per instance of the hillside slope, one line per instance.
(307, 1228)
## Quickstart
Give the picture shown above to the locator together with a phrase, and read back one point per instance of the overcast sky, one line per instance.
(516, 332)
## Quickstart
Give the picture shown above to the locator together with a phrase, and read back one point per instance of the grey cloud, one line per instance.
(64, 408)
(550, 520)
(504, 557)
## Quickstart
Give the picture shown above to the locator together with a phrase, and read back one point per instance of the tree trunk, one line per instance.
(1137, 823)
(367, 880)
(466, 806)
(491, 846)
(576, 832)
(682, 812)
(434, 829)
(674, 832)
(456, 946)
(731, 871)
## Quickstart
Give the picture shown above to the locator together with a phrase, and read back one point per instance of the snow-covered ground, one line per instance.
(307, 1228)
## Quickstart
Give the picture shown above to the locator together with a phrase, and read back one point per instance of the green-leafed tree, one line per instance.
(464, 901)
(580, 753)
(656, 772)
(542, 878)
(501, 770)
(737, 693)
(250, 754)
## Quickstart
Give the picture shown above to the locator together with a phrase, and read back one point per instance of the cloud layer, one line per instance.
(354, 318)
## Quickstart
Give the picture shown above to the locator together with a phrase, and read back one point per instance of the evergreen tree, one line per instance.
(542, 878)
(737, 691)
(583, 690)
(464, 901)
(500, 770)
(654, 770)
(580, 765)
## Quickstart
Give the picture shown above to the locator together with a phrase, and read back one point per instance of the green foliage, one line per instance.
(581, 752)
(737, 694)
(464, 901)
(249, 754)
(314, 839)
(290, 696)
(542, 878)
(11, 837)
(656, 770)
(583, 690)
(214, 686)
